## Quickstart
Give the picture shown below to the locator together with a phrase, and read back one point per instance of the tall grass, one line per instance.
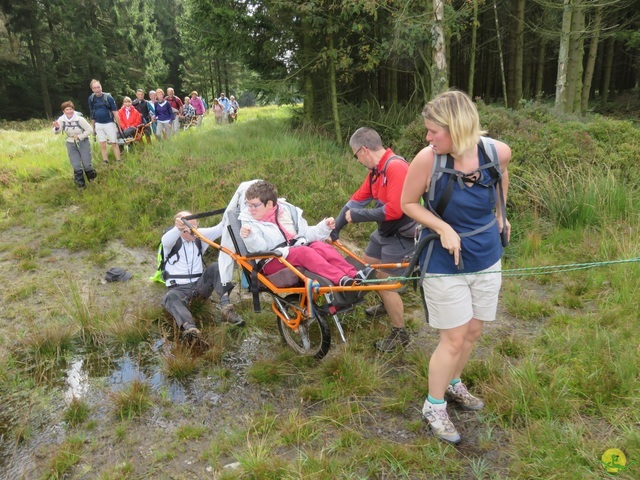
(591, 195)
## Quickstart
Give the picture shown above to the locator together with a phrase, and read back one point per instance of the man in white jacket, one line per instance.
(186, 278)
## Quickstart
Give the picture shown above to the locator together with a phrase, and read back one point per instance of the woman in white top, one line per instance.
(78, 130)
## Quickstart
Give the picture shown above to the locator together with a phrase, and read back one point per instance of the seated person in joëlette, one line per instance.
(129, 117)
(269, 223)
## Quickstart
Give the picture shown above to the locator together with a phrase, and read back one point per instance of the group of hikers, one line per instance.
(161, 115)
(455, 188)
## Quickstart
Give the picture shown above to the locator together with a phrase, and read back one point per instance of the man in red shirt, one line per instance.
(176, 106)
(393, 240)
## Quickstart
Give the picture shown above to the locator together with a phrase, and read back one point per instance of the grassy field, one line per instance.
(558, 370)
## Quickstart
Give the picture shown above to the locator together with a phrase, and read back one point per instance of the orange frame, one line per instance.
(309, 284)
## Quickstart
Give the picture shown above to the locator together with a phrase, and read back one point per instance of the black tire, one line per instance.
(313, 337)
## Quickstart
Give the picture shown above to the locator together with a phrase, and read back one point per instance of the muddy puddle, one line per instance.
(92, 376)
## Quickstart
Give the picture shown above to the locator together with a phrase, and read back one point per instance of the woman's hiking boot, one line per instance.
(458, 393)
(438, 419)
(91, 175)
(78, 178)
(399, 337)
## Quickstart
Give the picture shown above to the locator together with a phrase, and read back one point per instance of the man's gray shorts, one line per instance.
(396, 249)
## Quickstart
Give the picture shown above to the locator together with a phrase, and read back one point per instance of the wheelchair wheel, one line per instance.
(313, 336)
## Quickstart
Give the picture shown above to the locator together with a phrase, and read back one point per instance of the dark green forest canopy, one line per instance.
(343, 58)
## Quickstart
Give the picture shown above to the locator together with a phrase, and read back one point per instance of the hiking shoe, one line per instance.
(347, 282)
(230, 315)
(399, 337)
(376, 310)
(365, 274)
(458, 393)
(438, 418)
(189, 330)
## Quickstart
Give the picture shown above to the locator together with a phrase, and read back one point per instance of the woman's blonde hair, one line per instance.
(454, 111)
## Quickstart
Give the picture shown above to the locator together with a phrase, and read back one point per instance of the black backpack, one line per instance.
(105, 104)
(161, 275)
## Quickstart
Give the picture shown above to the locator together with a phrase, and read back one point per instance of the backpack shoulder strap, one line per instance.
(439, 164)
(174, 251)
(92, 100)
(386, 165)
(440, 170)
(488, 147)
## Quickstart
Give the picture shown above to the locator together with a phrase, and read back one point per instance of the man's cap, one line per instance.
(193, 93)
(116, 274)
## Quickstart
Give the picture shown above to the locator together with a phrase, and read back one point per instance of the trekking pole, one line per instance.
(204, 214)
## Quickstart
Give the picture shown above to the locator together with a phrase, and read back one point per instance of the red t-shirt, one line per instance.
(387, 188)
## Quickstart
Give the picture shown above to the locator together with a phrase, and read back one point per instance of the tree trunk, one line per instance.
(576, 54)
(211, 79)
(504, 82)
(591, 60)
(218, 77)
(474, 40)
(42, 74)
(393, 87)
(518, 51)
(563, 57)
(439, 68)
(540, 67)
(606, 83)
(309, 97)
(226, 78)
(334, 90)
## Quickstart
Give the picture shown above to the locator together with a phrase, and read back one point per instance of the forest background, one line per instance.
(379, 60)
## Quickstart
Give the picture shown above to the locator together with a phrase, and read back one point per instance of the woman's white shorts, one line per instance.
(454, 300)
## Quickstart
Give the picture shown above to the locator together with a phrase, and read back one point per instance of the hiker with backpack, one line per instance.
(142, 106)
(393, 240)
(78, 131)
(104, 119)
(226, 107)
(462, 179)
(176, 107)
(187, 278)
(152, 108)
(198, 105)
(235, 107)
(164, 116)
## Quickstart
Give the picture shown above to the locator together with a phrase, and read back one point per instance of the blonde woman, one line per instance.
(470, 172)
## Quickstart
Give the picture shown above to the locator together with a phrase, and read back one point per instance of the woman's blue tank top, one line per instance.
(469, 208)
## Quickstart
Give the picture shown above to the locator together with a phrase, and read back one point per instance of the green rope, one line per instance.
(518, 272)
